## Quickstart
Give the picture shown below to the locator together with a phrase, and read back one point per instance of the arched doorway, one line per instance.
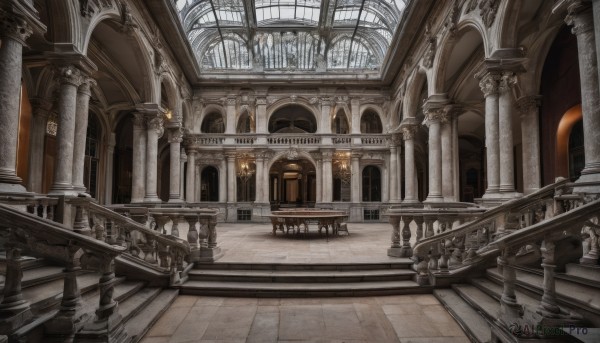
(570, 157)
(371, 185)
(209, 184)
(292, 183)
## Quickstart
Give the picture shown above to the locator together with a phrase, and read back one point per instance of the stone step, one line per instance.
(38, 275)
(584, 273)
(282, 289)
(301, 276)
(471, 321)
(137, 302)
(400, 263)
(122, 291)
(569, 293)
(137, 326)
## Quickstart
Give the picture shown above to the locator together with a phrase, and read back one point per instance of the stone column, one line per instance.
(326, 121)
(81, 125)
(37, 137)
(530, 140)
(319, 177)
(154, 131)
(489, 86)
(108, 177)
(259, 179)
(505, 113)
(581, 18)
(175, 139)
(190, 187)
(410, 174)
(230, 111)
(434, 118)
(393, 171)
(182, 160)
(327, 181)
(355, 129)
(138, 165)
(355, 182)
(231, 177)
(14, 30)
(261, 120)
(223, 180)
(70, 80)
(448, 155)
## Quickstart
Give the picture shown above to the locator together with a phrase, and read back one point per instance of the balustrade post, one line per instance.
(150, 253)
(192, 236)
(509, 308)
(175, 226)
(548, 306)
(209, 251)
(161, 221)
(396, 249)
(14, 310)
(419, 221)
(456, 258)
(406, 250)
(444, 256)
(107, 324)
(429, 231)
(82, 222)
(422, 266)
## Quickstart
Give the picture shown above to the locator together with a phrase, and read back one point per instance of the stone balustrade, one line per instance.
(345, 140)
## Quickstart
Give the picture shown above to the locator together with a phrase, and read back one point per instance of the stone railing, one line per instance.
(374, 140)
(293, 140)
(210, 140)
(341, 140)
(245, 140)
(163, 253)
(26, 232)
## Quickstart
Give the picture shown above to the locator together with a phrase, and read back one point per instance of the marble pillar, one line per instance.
(434, 118)
(355, 181)
(190, 187)
(231, 178)
(138, 168)
(505, 135)
(222, 180)
(581, 18)
(108, 176)
(37, 139)
(530, 140)
(319, 177)
(399, 166)
(325, 127)
(175, 139)
(259, 179)
(410, 174)
(81, 125)
(448, 155)
(14, 30)
(393, 172)
(327, 175)
(155, 130)
(489, 86)
(231, 116)
(355, 120)
(182, 160)
(70, 79)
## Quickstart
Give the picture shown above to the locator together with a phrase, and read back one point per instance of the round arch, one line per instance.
(289, 101)
(282, 155)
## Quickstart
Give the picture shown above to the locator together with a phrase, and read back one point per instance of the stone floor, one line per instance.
(401, 318)
(256, 243)
(405, 318)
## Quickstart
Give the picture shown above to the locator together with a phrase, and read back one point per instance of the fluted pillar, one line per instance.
(355, 181)
(530, 140)
(410, 174)
(319, 177)
(138, 165)
(81, 125)
(70, 78)
(37, 138)
(14, 30)
(155, 130)
(393, 170)
(175, 139)
(448, 155)
(505, 136)
(182, 160)
(433, 120)
(191, 176)
(259, 178)
(327, 175)
(231, 177)
(581, 18)
(489, 87)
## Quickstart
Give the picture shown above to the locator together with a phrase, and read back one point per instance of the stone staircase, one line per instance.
(42, 284)
(475, 304)
(302, 280)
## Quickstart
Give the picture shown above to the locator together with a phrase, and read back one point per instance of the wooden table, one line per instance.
(300, 220)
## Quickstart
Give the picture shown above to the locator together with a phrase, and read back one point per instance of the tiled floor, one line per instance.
(256, 243)
(402, 318)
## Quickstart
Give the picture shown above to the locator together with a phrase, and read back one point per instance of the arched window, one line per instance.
(209, 184)
(371, 185)
(340, 123)
(293, 119)
(370, 123)
(245, 124)
(213, 123)
(92, 154)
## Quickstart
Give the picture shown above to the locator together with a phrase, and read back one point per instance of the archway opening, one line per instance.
(209, 184)
(293, 119)
(292, 183)
(339, 124)
(570, 158)
(370, 123)
(213, 123)
(371, 185)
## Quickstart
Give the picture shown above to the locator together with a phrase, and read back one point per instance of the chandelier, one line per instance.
(341, 168)
(245, 169)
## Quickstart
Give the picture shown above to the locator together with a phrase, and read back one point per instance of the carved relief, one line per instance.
(429, 54)
(489, 83)
(488, 10)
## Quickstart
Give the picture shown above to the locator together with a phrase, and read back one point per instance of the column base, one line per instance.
(434, 198)
(588, 183)
(110, 329)
(175, 201)
(395, 252)
(14, 189)
(152, 200)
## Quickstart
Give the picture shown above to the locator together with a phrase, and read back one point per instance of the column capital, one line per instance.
(14, 26)
(580, 17)
(507, 81)
(155, 122)
(327, 155)
(356, 155)
(182, 155)
(408, 132)
(40, 107)
(86, 84)
(70, 75)
(261, 101)
(175, 135)
(490, 83)
(230, 155)
(139, 120)
(526, 105)
(395, 140)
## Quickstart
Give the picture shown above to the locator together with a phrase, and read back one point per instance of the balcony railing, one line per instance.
(347, 140)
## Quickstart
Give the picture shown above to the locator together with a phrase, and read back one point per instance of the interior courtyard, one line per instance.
(299, 171)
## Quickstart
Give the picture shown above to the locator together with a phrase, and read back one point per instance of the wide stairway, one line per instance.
(139, 305)
(303, 280)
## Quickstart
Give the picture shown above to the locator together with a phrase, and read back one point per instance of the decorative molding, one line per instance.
(579, 16)
(176, 135)
(488, 10)
(70, 75)
(292, 153)
(489, 83)
(528, 105)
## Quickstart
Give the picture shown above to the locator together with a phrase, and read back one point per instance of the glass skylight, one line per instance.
(303, 35)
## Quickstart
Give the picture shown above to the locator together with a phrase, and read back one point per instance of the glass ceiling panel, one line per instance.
(272, 35)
